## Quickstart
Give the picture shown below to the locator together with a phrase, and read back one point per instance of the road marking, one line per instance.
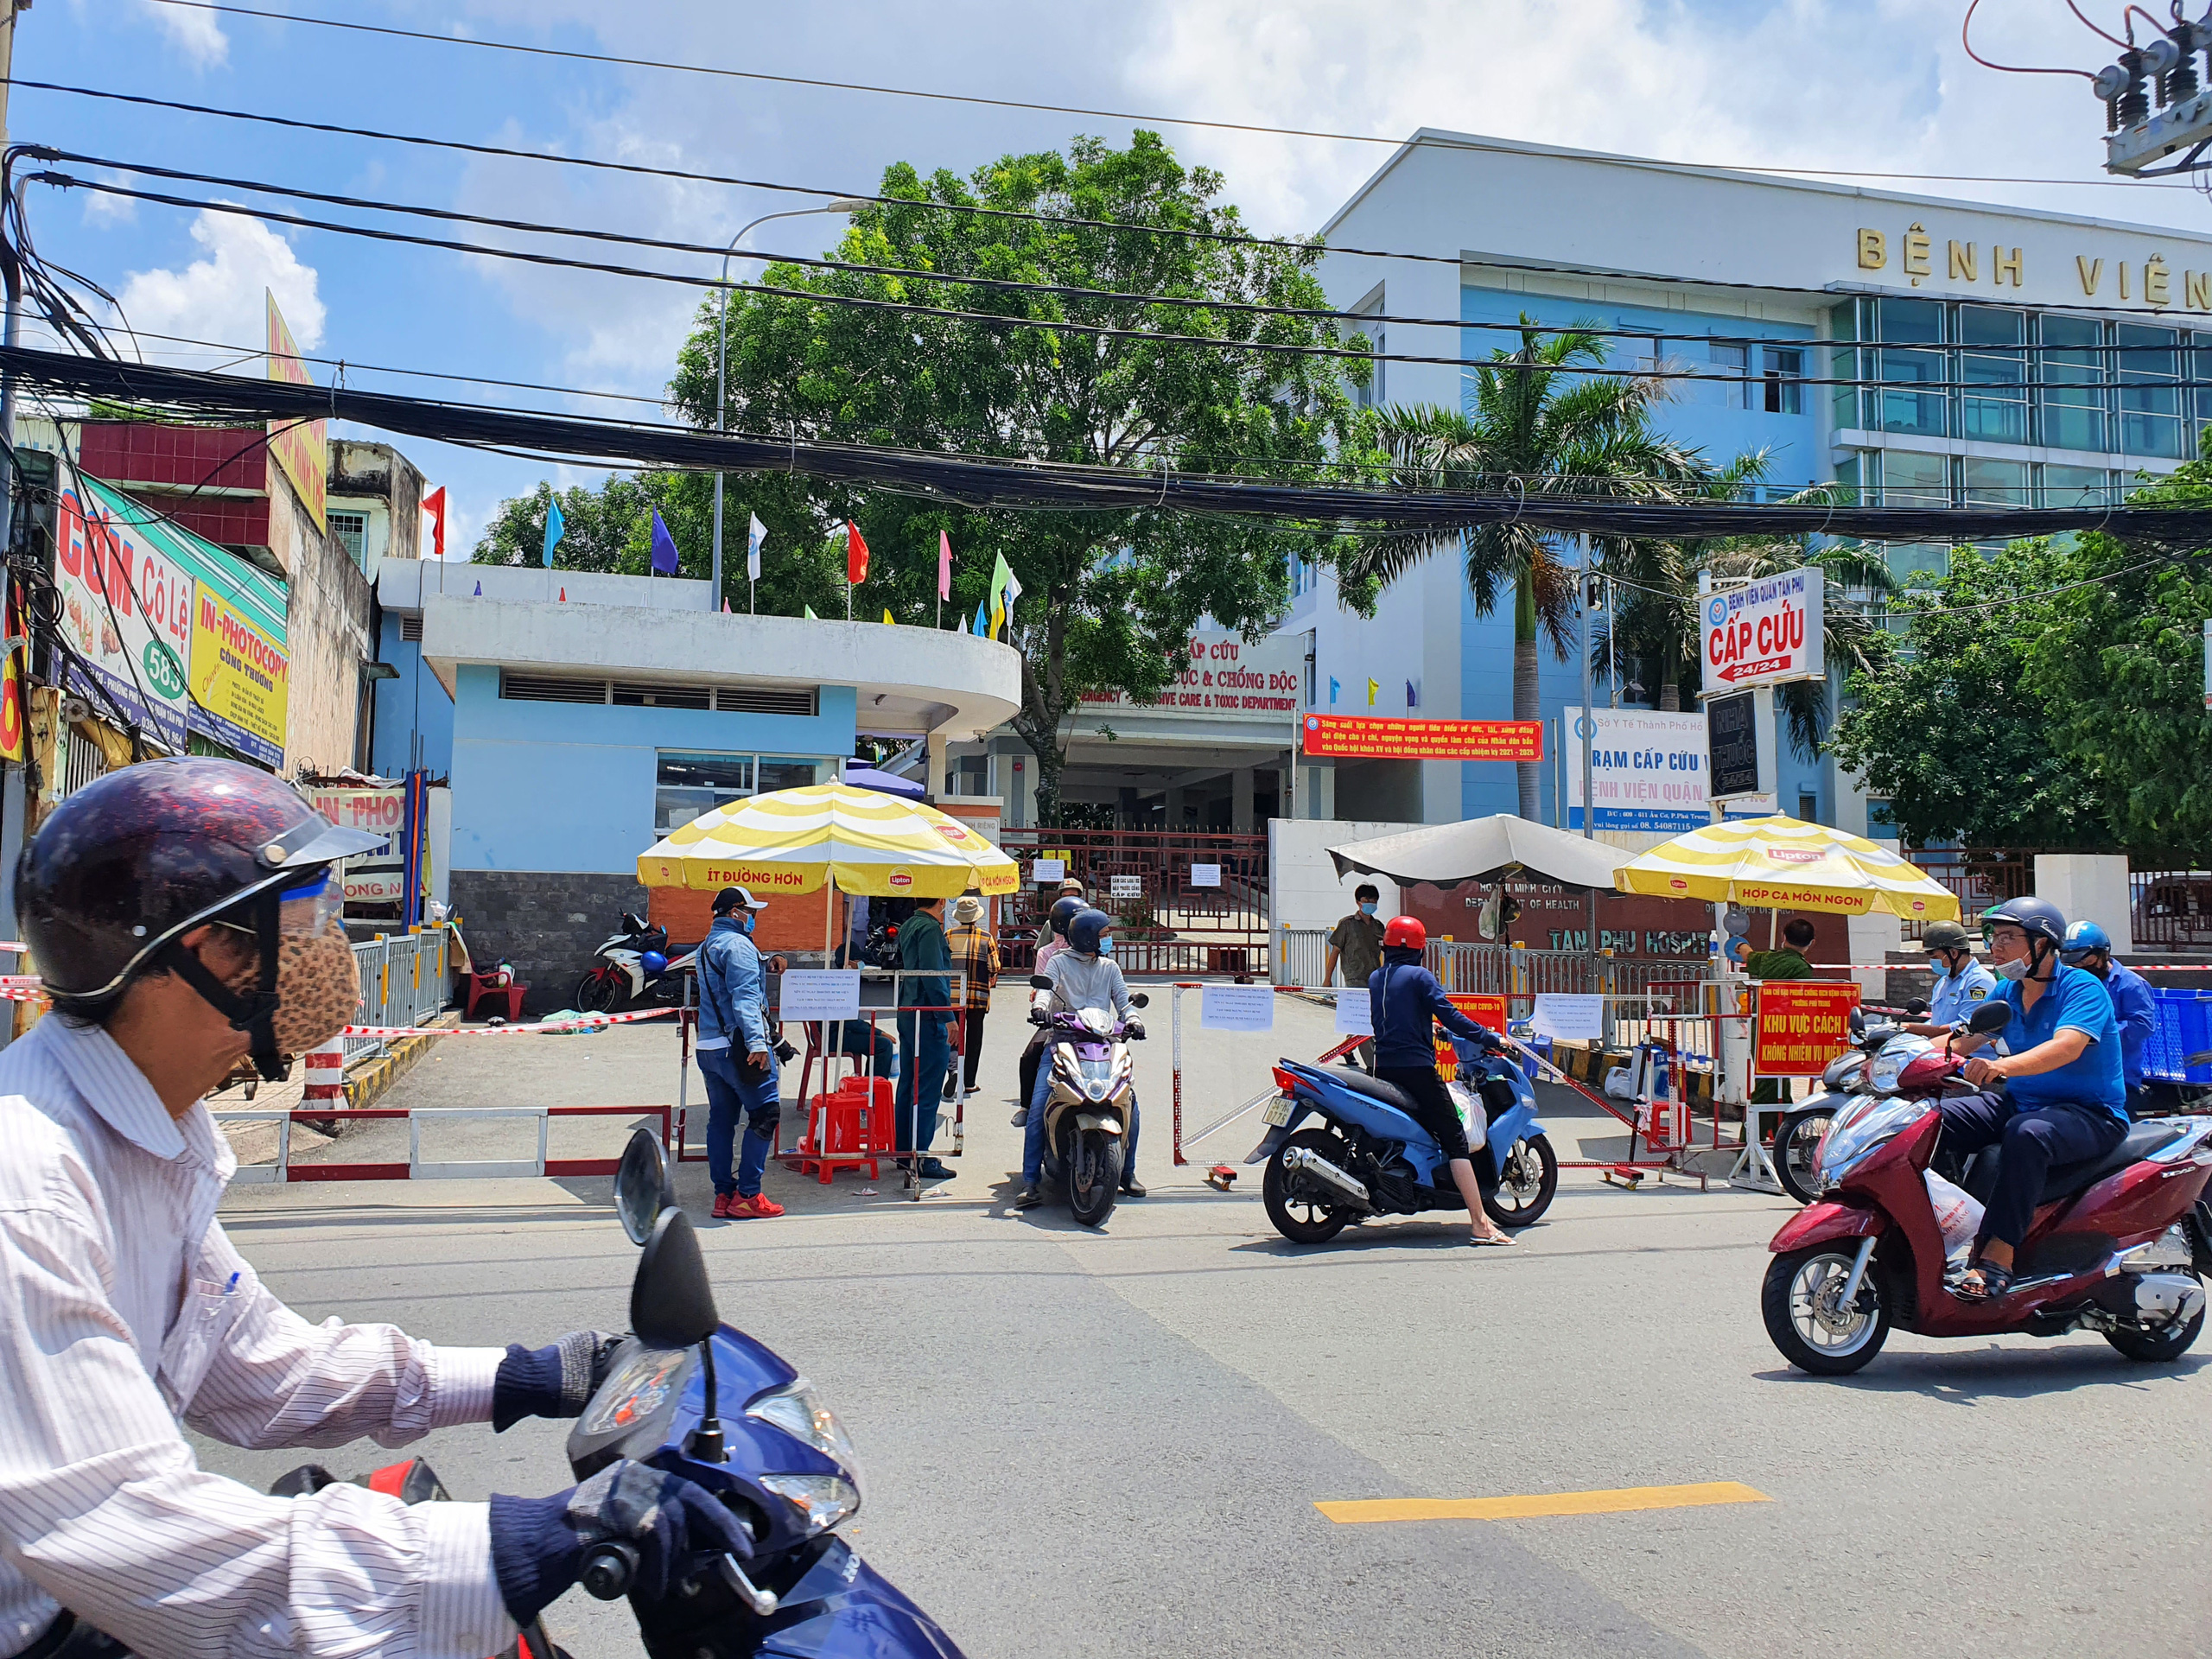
(1540, 1503)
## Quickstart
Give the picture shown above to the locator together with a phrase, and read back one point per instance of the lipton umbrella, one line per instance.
(1780, 863)
(795, 841)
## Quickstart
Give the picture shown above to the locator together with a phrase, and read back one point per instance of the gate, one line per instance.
(1183, 901)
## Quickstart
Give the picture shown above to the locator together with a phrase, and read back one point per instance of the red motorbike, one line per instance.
(2118, 1244)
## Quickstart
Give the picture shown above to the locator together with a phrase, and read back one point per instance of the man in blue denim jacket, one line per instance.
(738, 1052)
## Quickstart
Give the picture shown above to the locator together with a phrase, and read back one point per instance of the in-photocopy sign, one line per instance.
(1763, 632)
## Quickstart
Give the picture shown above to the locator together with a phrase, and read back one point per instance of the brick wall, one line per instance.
(546, 923)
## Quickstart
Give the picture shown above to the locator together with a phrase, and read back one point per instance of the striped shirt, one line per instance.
(124, 1310)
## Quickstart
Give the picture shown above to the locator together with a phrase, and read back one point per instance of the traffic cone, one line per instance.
(325, 1084)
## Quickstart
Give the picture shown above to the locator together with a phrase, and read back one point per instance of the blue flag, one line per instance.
(1334, 688)
(553, 529)
(664, 548)
(983, 628)
(1413, 697)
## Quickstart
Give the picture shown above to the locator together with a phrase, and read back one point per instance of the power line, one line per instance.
(1054, 325)
(1420, 141)
(989, 482)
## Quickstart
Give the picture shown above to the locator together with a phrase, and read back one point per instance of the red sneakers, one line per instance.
(759, 1207)
(723, 1202)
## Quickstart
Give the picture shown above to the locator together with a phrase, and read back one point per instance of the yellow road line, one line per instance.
(1540, 1503)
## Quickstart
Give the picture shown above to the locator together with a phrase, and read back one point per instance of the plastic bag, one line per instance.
(1473, 1118)
(1958, 1212)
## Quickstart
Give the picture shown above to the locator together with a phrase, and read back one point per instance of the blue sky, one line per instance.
(1879, 83)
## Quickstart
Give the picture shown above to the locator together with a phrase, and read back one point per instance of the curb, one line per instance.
(373, 1081)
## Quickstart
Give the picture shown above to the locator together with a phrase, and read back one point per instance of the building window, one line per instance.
(1370, 395)
(1780, 369)
(2074, 367)
(1912, 356)
(1847, 365)
(1881, 819)
(785, 771)
(1994, 364)
(1993, 483)
(688, 785)
(2150, 392)
(1734, 362)
(2075, 486)
(1912, 478)
(351, 531)
(1808, 809)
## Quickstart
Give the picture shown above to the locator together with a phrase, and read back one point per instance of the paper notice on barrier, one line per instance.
(1237, 1007)
(819, 994)
(1354, 1014)
(1205, 875)
(1570, 1017)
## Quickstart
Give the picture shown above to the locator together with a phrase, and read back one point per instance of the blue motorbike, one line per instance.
(690, 1395)
(1342, 1145)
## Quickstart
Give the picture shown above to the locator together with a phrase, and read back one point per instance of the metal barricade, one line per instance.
(1299, 956)
(404, 979)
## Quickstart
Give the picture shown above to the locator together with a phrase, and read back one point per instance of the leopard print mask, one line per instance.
(318, 988)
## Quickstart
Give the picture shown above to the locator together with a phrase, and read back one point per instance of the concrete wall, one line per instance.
(375, 478)
(414, 705)
(2089, 888)
(327, 627)
(546, 924)
(569, 786)
(1303, 889)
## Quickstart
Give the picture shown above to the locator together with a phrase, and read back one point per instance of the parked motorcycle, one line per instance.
(635, 966)
(1087, 1108)
(2115, 1247)
(1368, 1155)
(781, 1461)
(1797, 1136)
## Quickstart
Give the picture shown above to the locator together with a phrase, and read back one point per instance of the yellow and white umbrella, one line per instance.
(1779, 863)
(796, 841)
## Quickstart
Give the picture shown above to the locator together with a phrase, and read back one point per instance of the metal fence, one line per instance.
(2171, 909)
(1166, 922)
(1978, 877)
(1299, 956)
(405, 978)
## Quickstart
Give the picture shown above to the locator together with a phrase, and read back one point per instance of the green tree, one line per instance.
(1948, 724)
(1535, 420)
(1109, 597)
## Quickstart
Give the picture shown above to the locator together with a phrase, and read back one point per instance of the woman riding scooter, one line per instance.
(1407, 1002)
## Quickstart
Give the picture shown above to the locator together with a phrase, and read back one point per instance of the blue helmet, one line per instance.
(2083, 940)
(1065, 910)
(2038, 918)
(1087, 930)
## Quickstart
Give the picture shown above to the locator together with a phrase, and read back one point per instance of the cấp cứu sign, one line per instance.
(1763, 632)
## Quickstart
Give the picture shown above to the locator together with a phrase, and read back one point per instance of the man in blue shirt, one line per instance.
(1961, 984)
(2088, 947)
(738, 1050)
(2065, 1101)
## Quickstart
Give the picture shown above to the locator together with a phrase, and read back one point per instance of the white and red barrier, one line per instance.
(419, 1168)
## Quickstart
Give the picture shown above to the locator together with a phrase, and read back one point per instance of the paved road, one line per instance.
(1111, 1444)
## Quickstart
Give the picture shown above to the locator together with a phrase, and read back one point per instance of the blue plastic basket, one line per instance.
(2184, 1028)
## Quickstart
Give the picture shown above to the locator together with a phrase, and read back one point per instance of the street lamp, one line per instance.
(841, 204)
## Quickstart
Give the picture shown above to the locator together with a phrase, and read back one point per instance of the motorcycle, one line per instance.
(782, 1463)
(1087, 1107)
(1368, 1155)
(634, 965)
(2116, 1245)
(1797, 1136)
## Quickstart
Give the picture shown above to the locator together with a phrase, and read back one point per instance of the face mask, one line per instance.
(745, 921)
(1366, 909)
(2013, 971)
(1105, 947)
(317, 987)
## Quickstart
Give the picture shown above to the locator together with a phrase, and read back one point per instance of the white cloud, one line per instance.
(196, 33)
(220, 297)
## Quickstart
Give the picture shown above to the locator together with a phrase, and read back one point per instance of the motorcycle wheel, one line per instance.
(2155, 1347)
(598, 991)
(1798, 1303)
(1094, 1175)
(1526, 1186)
(1796, 1141)
(1302, 1220)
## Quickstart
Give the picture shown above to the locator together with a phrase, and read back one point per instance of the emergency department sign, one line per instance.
(1763, 632)
(1803, 1024)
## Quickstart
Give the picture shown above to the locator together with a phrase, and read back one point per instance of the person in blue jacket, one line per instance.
(1407, 1004)
(2064, 1099)
(738, 1051)
(2088, 947)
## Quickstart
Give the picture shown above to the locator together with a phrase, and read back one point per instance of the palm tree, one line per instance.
(1535, 420)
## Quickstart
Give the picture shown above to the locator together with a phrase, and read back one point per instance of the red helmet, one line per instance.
(1404, 933)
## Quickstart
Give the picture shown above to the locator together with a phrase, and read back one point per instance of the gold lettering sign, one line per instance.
(1917, 244)
(1962, 261)
(2092, 271)
(1873, 249)
(1999, 263)
(2121, 268)
(2197, 291)
(2155, 291)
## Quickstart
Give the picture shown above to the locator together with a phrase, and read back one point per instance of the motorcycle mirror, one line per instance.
(1990, 1016)
(1039, 982)
(1140, 1000)
(1915, 1007)
(1858, 1021)
(641, 1186)
(671, 1305)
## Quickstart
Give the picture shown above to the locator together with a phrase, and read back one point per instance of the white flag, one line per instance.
(758, 534)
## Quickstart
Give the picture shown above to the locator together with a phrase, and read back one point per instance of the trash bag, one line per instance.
(1958, 1212)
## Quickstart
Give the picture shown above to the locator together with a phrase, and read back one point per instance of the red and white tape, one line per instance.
(589, 1022)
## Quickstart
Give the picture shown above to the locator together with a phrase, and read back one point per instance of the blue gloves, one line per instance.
(554, 1382)
(676, 1526)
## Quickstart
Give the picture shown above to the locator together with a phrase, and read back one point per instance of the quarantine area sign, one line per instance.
(1364, 737)
(1763, 632)
(1803, 1024)
(1486, 1008)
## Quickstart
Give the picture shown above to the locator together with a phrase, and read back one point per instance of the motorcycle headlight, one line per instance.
(1841, 1070)
(801, 1413)
(824, 1500)
(1885, 1068)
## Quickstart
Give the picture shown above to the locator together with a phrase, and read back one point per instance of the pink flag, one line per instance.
(944, 565)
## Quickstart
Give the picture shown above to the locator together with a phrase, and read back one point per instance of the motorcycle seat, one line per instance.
(1359, 1083)
(2064, 1181)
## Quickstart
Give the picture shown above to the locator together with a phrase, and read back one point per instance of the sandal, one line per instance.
(1491, 1238)
(1995, 1282)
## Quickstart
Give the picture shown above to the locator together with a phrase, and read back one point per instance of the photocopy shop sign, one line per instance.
(1763, 632)
(379, 877)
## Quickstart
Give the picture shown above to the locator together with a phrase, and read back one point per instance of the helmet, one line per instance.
(1087, 930)
(2083, 940)
(653, 963)
(126, 866)
(2038, 918)
(1065, 911)
(1944, 936)
(1404, 933)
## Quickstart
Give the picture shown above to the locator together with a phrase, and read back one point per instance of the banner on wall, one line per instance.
(300, 448)
(1380, 738)
(379, 877)
(240, 677)
(1646, 770)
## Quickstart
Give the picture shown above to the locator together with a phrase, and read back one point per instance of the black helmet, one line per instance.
(1944, 936)
(1065, 910)
(2038, 918)
(1087, 928)
(127, 864)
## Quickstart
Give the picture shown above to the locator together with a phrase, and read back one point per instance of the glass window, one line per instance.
(351, 531)
(1913, 322)
(1781, 369)
(1912, 478)
(2075, 486)
(1845, 406)
(1926, 560)
(1993, 483)
(688, 785)
(2150, 390)
(1847, 474)
(1994, 366)
(1734, 362)
(783, 772)
(2072, 400)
